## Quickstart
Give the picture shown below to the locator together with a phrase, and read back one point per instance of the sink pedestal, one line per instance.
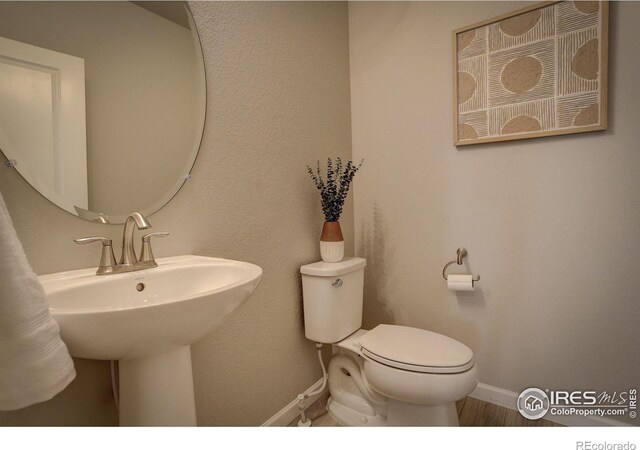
(158, 390)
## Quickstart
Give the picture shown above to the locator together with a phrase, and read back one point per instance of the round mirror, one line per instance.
(102, 104)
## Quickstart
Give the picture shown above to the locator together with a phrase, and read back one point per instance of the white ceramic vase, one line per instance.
(332, 252)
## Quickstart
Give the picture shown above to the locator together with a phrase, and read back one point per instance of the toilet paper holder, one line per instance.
(461, 252)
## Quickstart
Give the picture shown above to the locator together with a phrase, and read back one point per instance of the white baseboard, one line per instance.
(495, 396)
(509, 399)
(287, 414)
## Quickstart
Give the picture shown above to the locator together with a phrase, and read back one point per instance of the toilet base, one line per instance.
(406, 415)
(349, 417)
(399, 415)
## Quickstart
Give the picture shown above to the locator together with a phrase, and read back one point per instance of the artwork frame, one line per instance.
(543, 95)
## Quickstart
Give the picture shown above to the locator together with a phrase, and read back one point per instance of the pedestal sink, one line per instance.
(147, 321)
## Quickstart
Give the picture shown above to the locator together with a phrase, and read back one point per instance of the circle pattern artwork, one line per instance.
(587, 116)
(465, 39)
(586, 7)
(466, 86)
(519, 25)
(586, 61)
(522, 74)
(534, 72)
(466, 131)
(521, 124)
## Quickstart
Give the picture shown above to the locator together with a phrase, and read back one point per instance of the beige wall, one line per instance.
(141, 84)
(278, 98)
(550, 224)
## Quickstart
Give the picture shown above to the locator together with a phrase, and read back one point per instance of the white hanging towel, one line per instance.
(34, 362)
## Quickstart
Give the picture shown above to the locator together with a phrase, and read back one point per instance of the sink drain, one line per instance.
(140, 287)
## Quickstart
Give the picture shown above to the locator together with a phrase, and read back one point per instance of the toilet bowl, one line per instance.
(368, 391)
(391, 375)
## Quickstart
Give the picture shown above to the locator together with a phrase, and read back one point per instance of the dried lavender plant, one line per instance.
(334, 190)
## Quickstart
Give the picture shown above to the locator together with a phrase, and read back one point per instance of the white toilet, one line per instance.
(391, 375)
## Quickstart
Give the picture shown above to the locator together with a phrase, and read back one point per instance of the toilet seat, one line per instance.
(415, 350)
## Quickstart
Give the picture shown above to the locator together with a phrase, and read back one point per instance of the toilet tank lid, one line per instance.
(323, 269)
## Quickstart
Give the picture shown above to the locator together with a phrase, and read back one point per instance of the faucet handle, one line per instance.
(146, 254)
(88, 240)
(107, 258)
(147, 237)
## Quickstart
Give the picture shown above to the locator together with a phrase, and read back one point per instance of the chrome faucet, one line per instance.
(129, 262)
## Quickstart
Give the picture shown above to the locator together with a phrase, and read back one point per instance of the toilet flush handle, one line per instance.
(337, 283)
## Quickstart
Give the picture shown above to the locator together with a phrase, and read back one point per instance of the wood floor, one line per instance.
(471, 413)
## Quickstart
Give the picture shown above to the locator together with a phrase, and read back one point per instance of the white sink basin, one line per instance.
(181, 301)
(147, 320)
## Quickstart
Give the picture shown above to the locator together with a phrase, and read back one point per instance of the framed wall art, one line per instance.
(539, 71)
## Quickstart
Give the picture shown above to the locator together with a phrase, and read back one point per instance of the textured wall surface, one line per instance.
(550, 224)
(278, 99)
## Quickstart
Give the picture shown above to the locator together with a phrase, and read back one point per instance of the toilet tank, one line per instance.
(332, 297)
